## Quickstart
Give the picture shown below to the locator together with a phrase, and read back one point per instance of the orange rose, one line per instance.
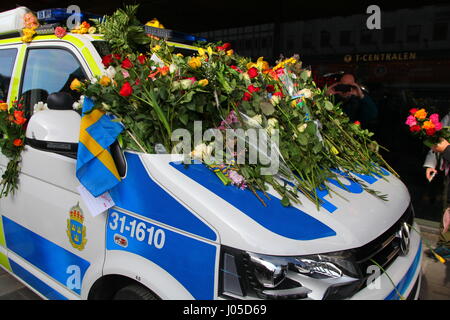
(428, 125)
(421, 114)
(18, 142)
(3, 106)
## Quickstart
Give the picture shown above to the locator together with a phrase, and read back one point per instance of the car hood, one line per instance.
(349, 217)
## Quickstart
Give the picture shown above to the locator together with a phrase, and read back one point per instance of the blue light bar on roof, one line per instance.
(61, 14)
(172, 35)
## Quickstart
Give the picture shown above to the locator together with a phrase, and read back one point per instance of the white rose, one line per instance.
(272, 122)
(186, 84)
(40, 106)
(202, 151)
(306, 93)
(110, 72)
(275, 100)
(302, 127)
(173, 68)
(255, 121)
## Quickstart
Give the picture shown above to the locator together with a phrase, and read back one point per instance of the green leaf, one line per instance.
(328, 105)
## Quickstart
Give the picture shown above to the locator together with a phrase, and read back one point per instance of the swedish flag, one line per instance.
(96, 169)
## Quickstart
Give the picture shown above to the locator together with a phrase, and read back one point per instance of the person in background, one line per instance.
(431, 162)
(355, 102)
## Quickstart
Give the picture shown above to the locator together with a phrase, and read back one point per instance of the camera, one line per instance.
(343, 88)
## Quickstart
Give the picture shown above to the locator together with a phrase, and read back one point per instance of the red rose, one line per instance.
(413, 110)
(117, 56)
(430, 132)
(142, 59)
(247, 96)
(126, 90)
(278, 93)
(60, 32)
(107, 60)
(252, 72)
(270, 88)
(18, 142)
(19, 119)
(251, 88)
(357, 123)
(226, 46)
(126, 64)
(415, 128)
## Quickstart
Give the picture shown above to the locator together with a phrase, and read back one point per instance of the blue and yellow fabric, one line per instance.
(96, 169)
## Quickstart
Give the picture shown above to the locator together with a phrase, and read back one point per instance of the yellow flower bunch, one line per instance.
(260, 64)
(84, 28)
(75, 85)
(155, 23)
(195, 62)
(202, 52)
(28, 34)
(283, 63)
(104, 81)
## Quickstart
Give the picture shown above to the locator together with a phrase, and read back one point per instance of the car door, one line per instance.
(48, 230)
(8, 57)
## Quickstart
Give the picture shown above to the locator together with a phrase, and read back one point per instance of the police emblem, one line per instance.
(76, 231)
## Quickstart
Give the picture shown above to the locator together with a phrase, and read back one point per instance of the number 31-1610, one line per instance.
(138, 230)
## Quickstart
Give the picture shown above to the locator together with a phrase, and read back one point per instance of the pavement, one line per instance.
(435, 279)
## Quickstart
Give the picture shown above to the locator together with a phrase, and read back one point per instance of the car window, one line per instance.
(49, 70)
(7, 58)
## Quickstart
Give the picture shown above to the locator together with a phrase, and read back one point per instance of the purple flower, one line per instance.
(237, 179)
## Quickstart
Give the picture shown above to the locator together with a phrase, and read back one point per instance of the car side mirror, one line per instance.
(54, 131)
(60, 101)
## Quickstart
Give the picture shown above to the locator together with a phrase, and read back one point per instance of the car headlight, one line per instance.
(251, 275)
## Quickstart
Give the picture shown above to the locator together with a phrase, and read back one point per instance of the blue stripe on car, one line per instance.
(403, 285)
(35, 282)
(140, 194)
(190, 261)
(288, 222)
(42, 253)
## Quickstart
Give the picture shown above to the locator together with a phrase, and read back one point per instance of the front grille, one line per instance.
(383, 250)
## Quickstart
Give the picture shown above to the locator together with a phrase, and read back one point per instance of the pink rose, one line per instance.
(411, 121)
(438, 126)
(125, 74)
(60, 32)
(434, 118)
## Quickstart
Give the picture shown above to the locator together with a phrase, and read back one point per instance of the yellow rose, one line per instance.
(75, 85)
(230, 52)
(92, 30)
(156, 48)
(105, 81)
(203, 82)
(3, 106)
(195, 63)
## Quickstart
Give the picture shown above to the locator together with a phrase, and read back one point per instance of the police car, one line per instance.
(175, 233)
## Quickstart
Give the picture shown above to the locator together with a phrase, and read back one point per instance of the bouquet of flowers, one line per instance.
(12, 136)
(428, 128)
(156, 92)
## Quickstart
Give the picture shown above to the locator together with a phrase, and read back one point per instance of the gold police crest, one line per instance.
(76, 231)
